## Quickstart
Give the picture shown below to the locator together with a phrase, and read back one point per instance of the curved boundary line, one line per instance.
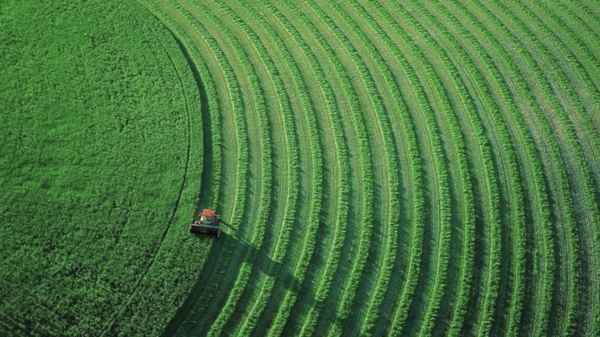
(178, 202)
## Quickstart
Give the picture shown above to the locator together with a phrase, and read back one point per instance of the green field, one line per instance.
(403, 168)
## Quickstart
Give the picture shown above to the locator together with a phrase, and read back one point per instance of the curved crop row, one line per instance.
(592, 130)
(576, 98)
(317, 161)
(541, 193)
(377, 106)
(369, 76)
(470, 66)
(575, 60)
(542, 197)
(589, 10)
(461, 83)
(517, 194)
(465, 182)
(308, 111)
(573, 260)
(468, 62)
(465, 175)
(242, 167)
(486, 155)
(488, 168)
(585, 162)
(588, 184)
(416, 170)
(343, 184)
(517, 299)
(309, 247)
(292, 178)
(414, 155)
(266, 177)
(491, 186)
(389, 257)
(418, 188)
(365, 167)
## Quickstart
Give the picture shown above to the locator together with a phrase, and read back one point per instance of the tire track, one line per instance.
(177, 203)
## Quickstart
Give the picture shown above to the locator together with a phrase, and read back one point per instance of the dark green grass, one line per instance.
(95, 148)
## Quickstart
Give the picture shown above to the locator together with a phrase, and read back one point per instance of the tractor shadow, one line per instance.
(222, 266)
(229, 252)
(262, 263)
(260, 260)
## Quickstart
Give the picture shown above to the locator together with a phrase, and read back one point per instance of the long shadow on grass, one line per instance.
(206, 186)
(207, 143)
(261, 263)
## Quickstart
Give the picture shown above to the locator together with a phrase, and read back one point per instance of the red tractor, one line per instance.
(207, 223)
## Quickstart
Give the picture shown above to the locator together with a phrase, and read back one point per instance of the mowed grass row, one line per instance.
(364, 41)
(539, 194)
(399, 109)
(451, 182)
(463, 287)
(370, 247)
(582, 142)
(348, 68)
(328, 124)
(265, 129)
(284, 209)
(251, 226)
(471, 67)
(461, 193)
(302, 243)
(339, 91)
(495, 196)
(235, 171)
(565, 189)
(442, 265)
(467, 61)
(376, 280)
(544, 305)
(288, 133)
(219, 139)
(322, 271)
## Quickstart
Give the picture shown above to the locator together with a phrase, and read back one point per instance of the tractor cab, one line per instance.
(207, 223)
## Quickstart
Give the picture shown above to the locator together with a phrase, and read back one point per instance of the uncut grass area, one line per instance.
(100, 160)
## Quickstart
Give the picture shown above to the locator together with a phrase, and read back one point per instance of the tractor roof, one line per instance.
(208, 213)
